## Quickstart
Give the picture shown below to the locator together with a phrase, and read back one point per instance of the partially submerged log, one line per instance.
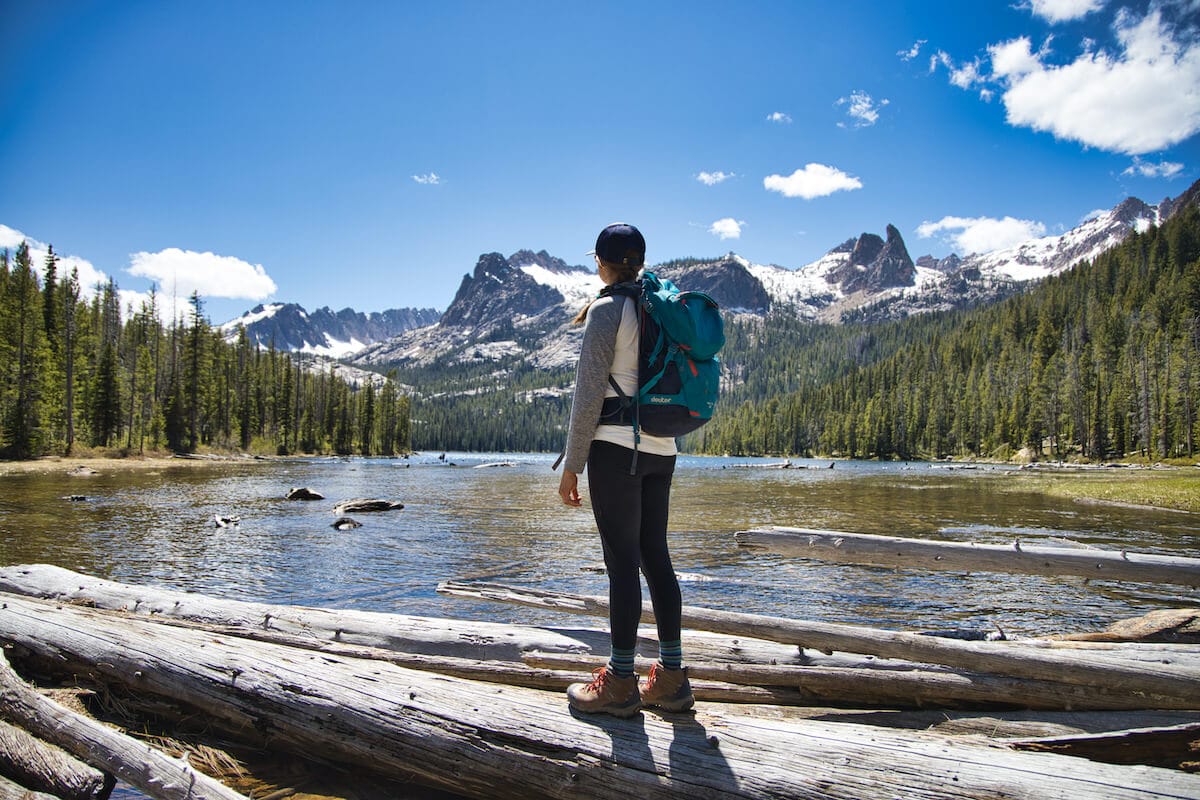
(925, 554)
(363, 505)
(1160, 685)
(134, 762)
(44, 767)
(1172, 625)
(485, 741)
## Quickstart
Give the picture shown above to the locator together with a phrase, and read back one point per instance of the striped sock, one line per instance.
(670, 654)
(620, 662)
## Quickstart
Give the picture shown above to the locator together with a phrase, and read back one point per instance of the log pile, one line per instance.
(465, 707)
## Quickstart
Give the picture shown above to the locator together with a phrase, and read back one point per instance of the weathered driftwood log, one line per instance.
(893, 551)
(401, 632)
(134, 762)
(11, 790)
(362, 505)
(897, 688)
(492, 742)
(44, 767)
(1155, 681)
(513, 673)
(1173, 625)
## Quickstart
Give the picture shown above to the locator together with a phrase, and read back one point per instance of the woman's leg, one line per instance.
(617, 507)
(656, 556)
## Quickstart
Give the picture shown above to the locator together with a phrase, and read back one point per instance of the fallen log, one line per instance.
(895, 688)
(1173, 625)
(1179, 684)
(11, 790)
(43, 767)
(133, 762)
(364, 505)
(513, 673)
(1020, 557)
(492, 742)
(405, 633)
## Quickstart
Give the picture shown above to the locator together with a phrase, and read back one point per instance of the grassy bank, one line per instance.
(105, 463)
(1177, 489)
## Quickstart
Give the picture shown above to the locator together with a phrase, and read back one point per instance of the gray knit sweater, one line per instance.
(591, 378)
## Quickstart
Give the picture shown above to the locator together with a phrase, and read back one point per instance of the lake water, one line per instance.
(506, 524)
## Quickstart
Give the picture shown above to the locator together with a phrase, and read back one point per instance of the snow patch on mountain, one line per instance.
(576, 287)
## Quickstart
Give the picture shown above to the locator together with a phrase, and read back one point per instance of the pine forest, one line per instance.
(75, 377)
(1099, 362)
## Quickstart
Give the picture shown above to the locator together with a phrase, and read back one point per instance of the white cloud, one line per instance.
(713, 178)
(862, 109)
(727, 228)
(982, 234)
(1163, 169)
(1014, 58)
(912, 52)
(429, 179)
(89, 276)
(780, 117)
(964, 76)
(1065, 10)
(815, 180)
(1143, 99)
(178, 273)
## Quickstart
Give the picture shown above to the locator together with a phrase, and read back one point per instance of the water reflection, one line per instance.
(506, 524)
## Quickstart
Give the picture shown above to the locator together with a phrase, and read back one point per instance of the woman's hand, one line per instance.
(568, 488)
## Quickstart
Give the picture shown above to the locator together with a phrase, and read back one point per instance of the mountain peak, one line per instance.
(875, 264)
(496, 292)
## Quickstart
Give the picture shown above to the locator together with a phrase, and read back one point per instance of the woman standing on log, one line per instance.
(630, 486)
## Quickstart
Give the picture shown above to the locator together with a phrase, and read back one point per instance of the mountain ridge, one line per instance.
(522, 304)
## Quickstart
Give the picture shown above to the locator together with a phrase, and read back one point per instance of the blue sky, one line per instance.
(365, 154)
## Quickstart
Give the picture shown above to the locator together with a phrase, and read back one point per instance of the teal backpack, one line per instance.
(679, 375)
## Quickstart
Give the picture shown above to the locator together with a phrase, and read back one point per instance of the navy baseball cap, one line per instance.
(620, 243)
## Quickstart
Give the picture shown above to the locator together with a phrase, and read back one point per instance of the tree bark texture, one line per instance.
(11, 790)
(136, 763)
(31, 762)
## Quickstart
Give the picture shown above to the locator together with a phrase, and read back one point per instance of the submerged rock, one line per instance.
(304, 493)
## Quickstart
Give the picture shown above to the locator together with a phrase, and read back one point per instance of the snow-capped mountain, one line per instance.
(521, 306)
(287, 326)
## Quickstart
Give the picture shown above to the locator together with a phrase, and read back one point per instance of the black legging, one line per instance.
(631, 514)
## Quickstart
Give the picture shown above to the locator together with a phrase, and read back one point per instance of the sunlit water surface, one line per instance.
(505, 524)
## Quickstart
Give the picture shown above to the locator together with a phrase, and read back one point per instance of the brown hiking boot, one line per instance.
(668, 689)
(606, 694)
